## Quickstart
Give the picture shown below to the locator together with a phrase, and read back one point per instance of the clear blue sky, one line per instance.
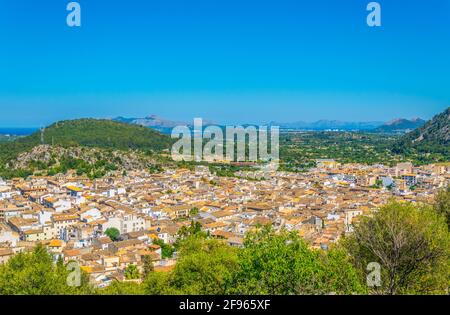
(225, 60)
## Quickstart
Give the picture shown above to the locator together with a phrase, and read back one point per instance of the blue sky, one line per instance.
(225, 60)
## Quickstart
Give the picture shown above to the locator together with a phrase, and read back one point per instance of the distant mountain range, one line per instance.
(395, 126)
(158, 123)
(152, 121)
(328, 125)
(400, 125)
(165, 126)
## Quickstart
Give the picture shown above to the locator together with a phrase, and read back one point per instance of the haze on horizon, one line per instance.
(38, 120)
(227, 61)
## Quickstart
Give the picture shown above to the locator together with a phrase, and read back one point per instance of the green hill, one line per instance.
(432, 138)
(96, 133)
(400, 125)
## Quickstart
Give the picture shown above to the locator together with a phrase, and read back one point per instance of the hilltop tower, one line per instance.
(42, 134)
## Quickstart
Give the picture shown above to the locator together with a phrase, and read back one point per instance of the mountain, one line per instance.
(98, 133)
(400, 125)
(160, 124)
(153, 122)
(328, 125)
(432, 137)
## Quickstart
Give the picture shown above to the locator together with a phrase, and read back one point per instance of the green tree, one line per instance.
(281, 263)
(122, 288)
(193, 212)
(205, 267)
(148, 266)
(411, 244)
(195, 228)
(167, 250)
(113, 234)
(157, 283)
(442, 204)
(132, 272)
(35, 273)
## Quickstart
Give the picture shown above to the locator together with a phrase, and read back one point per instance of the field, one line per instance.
(299, 150)
(7, 138)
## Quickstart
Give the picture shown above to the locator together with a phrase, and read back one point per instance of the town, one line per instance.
(70, 215)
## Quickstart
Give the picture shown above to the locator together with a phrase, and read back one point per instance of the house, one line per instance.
(223, 215)
(326, 163)
(90, 214)
(166, 233)
(12, 209)
(34, 235)
(110, 262)
(6, 192)
(175, 212)
(125, 245)
(5, 255)
(20, 224)
(403, 168)
(215, 226)
(55, 248)
(132, 222)
(140, 235)
(410, 179)
(61, 222)
(258, 206)
(101, 242)
(350, 214)
(74, 191)
(125, 222)
(60, 205)
(8, 236)
(236, 241)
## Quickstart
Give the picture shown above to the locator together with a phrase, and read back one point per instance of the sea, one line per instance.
(17, 131)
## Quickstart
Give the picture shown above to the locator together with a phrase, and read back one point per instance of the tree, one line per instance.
(193, 212)
(157, 283)
(113, 234)
(148, 266)
(281, 263)
(132, 272)
(442, 204)
(167, 250)
(205, 267)
(122, 288)
(194, 229)
(409, 242)
(35, 273)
